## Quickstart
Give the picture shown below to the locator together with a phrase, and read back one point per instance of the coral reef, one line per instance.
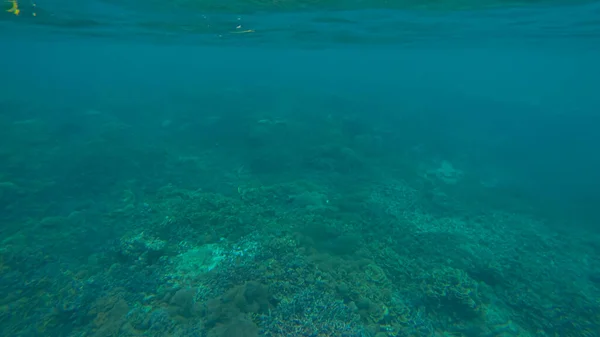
(119, 236)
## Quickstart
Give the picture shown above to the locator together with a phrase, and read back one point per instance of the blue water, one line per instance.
(254, 168)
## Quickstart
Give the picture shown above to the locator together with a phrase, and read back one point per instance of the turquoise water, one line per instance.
(279, 168)
(312, 24)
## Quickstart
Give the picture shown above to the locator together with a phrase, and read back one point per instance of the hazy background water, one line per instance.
(508, 84)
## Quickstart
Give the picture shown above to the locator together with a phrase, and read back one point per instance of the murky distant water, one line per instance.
(311, 23)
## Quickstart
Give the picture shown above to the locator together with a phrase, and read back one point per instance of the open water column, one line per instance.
(299, 168)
